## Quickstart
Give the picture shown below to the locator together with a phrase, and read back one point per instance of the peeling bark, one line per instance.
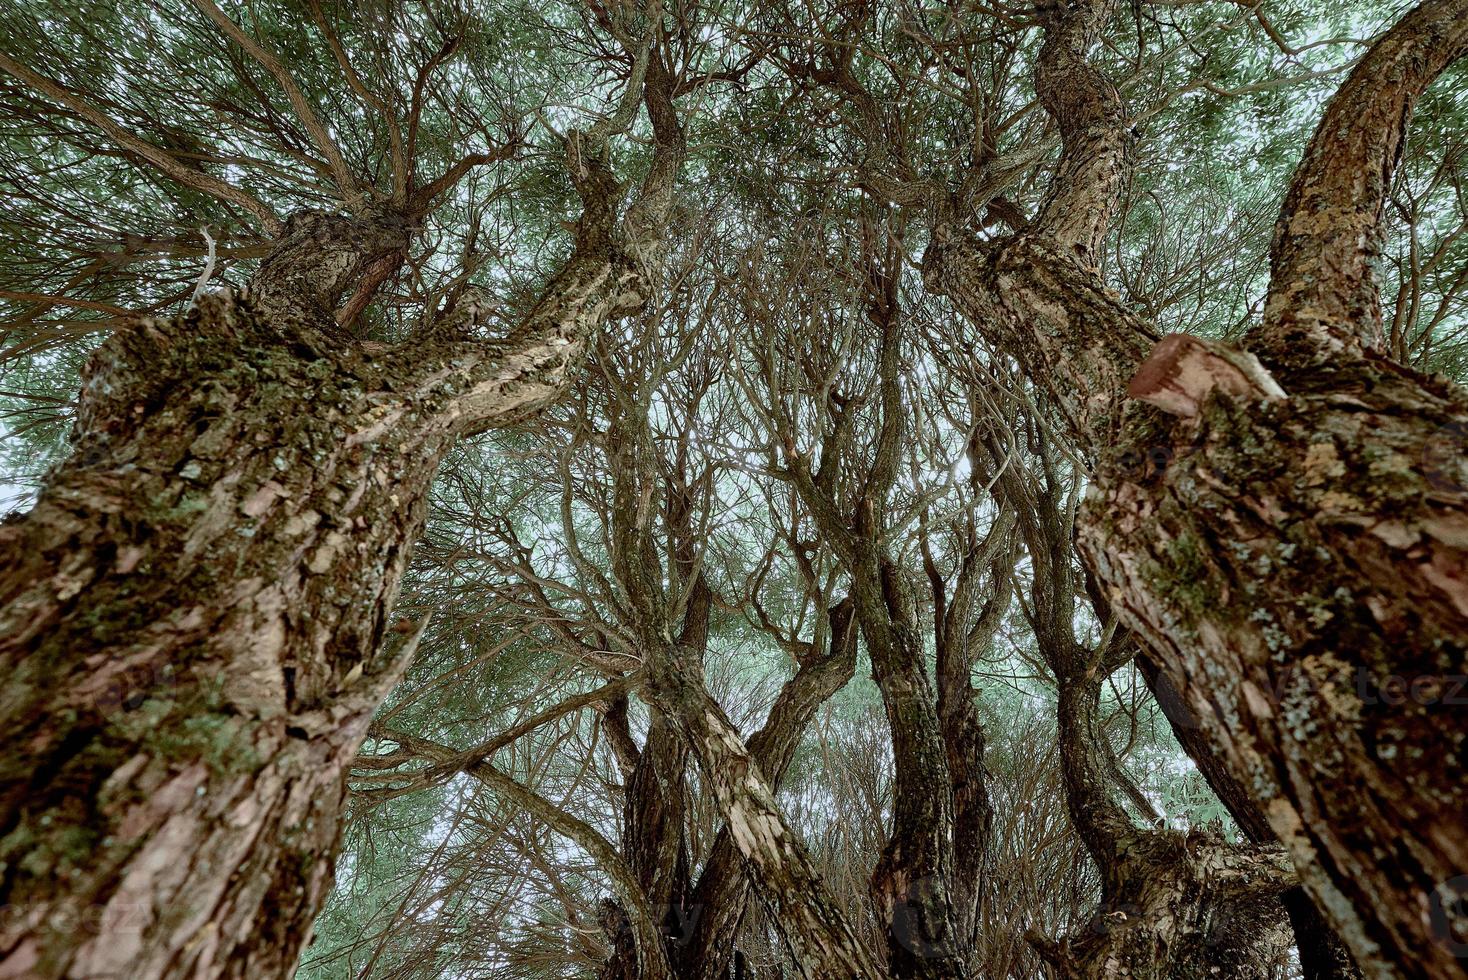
(815, 928)
(1322, 954)
(722, 891)
(1183, 907)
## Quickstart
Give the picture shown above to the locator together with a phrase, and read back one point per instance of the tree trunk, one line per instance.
(1322, 954)
(1325, 641)
(671, 647)
(653, 841)
(815, 928)
(919, 902)
(1174, 906)
(1182, 907)
(718, 901)
(195, 615)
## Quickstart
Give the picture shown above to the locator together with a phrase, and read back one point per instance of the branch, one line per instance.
(1085, 105)
(652, 957)
(1323, 292)
(157, 156)
(722, 888)
(341, 174)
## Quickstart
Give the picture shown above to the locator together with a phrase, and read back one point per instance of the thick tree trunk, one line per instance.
(194, 622)
(1183, 907)
(1324, 643)
(815, 928)
(1174, 906)
(718, 901)
(1297, 565)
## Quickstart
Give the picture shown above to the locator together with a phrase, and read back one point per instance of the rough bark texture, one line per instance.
(667, 609)
(1298, 564)
(962, 633)
(723, 889)
(1302, 579)
(1322, 954)
(1182, 907)
(194, 616)
(815, 928)
(1173, 905)
(653, 843)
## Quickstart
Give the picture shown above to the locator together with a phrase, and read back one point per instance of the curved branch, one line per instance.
(786, 880)
(1323, 292)
(1087, 107)
(722, 888)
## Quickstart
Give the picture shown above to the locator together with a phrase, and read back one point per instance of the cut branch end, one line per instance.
(1182, 370)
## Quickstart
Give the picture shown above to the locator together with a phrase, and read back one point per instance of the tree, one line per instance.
(681, 490)
(198, 609)
(1282, 602)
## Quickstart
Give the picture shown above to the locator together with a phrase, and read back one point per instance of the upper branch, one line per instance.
(166, 162)
(341, 174)
(1085, 105)
(1323, 292)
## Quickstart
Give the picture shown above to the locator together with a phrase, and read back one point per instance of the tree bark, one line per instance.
(1173, 905)
(722, 892)
(653, 842)
(914, 884)
(815, 928)
(1322, 954)
(1182, 907)
(1185, 905)
(671, 647)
